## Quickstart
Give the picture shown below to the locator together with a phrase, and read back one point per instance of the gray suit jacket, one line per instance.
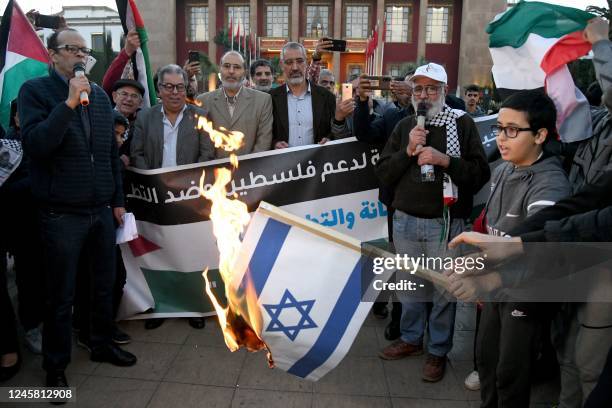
(252, 116)
(147, 146)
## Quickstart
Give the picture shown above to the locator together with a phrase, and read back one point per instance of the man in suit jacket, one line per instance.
(166, 135)
(238, 108)
(305, 113)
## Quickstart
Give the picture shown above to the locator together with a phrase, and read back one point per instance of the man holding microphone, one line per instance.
(435, 163)
(67, 130)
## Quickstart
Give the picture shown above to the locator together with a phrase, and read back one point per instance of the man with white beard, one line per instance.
(236, 107)
(430, 212)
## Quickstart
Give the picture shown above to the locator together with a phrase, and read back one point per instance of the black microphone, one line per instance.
(79, 71)
(427, 170)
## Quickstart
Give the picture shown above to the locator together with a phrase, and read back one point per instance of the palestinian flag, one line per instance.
(530, 44)
(131, 19)
(22, 57)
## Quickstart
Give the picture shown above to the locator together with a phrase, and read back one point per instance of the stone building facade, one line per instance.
(450, 32)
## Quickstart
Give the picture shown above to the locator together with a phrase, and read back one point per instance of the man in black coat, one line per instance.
(304, 113)
(76, 181)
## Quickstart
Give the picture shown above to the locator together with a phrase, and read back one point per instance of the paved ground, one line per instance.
(183, 367)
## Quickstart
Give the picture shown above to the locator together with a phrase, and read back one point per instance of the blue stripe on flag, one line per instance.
(268, 247)
(335, 327)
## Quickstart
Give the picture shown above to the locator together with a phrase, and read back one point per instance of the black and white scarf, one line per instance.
(448, 118)
(10, 157)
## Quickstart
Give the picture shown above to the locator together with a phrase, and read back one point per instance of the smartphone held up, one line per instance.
(347, 91)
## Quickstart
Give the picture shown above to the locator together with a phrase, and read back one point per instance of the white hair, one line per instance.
(291, 45)
(326, 72)
(171, 69)
(233, 53)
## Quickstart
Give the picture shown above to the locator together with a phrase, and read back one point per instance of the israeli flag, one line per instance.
(308, 287)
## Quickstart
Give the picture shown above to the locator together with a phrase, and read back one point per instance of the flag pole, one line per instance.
(232, 30)
(384, 34)
(346, 241)
(366, 57)
(376, 49)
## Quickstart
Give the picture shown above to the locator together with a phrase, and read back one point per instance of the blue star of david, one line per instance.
(288, 301)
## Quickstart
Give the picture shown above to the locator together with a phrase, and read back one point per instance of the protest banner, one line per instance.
(332, 185)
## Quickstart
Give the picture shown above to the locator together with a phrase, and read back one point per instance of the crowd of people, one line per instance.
(65, 200)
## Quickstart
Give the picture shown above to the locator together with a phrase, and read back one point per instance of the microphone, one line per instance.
(79, 71)
(427, 170)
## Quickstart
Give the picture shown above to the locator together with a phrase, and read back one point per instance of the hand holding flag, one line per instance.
(132, 21)
(132, 42)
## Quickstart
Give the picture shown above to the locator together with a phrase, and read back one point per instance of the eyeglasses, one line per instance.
(73, 49)
(171, 87)
(129, 95)
(229, 66)
(510, 131)
(290, 62)
(323, 82)
(429, 89)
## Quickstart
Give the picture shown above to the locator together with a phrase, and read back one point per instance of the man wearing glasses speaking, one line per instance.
(166, 134)
(67, 130)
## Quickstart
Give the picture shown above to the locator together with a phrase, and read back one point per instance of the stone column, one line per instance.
(474, 58)
(160, 20)
(212, 30)
(380, 18)
(253, 11)
(295, 20)
(422, 29)
(337, 34)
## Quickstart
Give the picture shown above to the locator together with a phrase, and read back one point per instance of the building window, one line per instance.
(97, 42)
(357, 19)
(394, 70)
(353, 71)
(317, 21)
(438, 24)
(398, 24)
(277, 21)
(240, 16)
(197, 23)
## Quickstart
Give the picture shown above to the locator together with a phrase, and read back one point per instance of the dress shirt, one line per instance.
(301, 132)
(170, 138)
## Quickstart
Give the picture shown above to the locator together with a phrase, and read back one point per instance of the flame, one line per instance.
(230, 141)
(240, 319)
(193, 101)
